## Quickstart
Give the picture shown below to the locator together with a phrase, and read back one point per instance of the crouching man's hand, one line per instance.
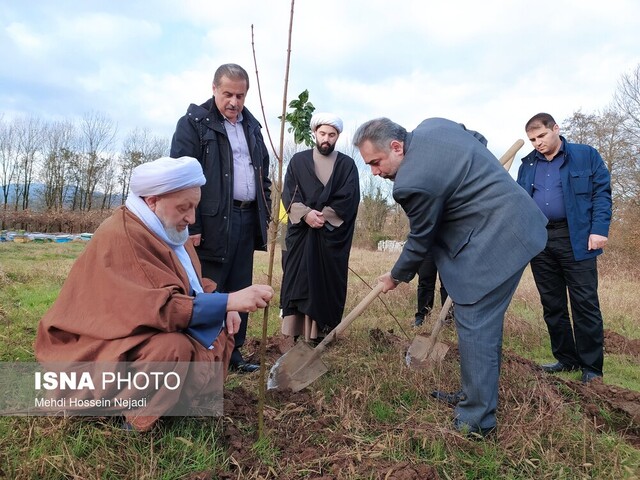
(233, 322)
(249, 299)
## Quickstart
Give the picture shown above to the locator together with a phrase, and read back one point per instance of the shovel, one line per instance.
(507, 159)
(424, 351)
(302, 365)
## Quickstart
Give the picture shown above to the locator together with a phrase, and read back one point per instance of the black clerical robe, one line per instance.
(316, 265)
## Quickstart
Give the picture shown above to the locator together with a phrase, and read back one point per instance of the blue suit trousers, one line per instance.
(479, 328)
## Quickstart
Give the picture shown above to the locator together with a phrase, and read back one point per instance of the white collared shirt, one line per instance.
(244, 180)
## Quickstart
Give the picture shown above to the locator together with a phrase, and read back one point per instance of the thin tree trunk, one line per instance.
(273, 228)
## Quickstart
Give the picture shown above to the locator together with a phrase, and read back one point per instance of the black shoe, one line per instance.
(451, 399)
(588, 375)
(450, 318)
(418, 321)
(558, 367)
(244, 367)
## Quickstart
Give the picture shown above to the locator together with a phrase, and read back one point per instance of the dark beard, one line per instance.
(327, 149)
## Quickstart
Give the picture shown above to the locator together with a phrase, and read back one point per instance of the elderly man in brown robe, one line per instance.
(136, 294)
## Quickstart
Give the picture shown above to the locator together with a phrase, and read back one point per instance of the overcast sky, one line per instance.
(488, 64)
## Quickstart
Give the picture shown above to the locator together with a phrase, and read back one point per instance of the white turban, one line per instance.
(166, 175)
(323, 118)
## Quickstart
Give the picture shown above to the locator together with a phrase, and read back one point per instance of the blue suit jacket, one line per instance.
(463, 205)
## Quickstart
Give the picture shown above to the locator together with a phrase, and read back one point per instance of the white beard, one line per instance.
(177, 236)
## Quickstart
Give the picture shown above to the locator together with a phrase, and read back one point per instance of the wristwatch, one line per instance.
(395, 280)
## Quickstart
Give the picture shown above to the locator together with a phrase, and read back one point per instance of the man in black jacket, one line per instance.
(233, 214)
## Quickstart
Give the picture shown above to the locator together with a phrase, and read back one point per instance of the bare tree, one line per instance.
(59, 149)
(97, 133)
(397, 226)
(138, 147)
(275, 219)
(8, 158)
(29, 136)
(372, 213)
(627, 99)
(107, 182)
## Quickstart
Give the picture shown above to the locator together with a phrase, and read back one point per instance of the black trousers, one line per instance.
(237, 272)
(427, 285)
(556, 272)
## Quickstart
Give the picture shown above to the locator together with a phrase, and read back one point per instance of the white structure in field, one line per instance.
(390, 246)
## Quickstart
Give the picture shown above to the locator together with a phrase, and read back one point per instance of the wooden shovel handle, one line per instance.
(346, 321)
(507, 159)
(435, 331)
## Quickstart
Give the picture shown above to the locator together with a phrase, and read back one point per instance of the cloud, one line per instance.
(143, 62)
(24, 39)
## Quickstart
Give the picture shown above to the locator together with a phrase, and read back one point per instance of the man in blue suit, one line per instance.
(482, 229)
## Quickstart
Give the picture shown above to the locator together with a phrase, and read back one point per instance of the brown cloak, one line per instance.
(125, 288)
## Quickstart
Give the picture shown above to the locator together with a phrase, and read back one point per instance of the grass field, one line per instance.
(369, 417)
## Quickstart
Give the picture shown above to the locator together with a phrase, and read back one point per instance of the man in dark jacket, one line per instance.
(233, 214)
(571, 185)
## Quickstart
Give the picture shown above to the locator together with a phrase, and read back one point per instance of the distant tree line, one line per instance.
(78, 165)
(615, 133)
(80, 168)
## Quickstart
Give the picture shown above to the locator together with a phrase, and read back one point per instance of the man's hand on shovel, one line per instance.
(389, 283)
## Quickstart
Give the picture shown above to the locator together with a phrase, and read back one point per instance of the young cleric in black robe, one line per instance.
(321, 193)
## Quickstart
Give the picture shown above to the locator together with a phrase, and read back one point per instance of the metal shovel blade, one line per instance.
(296, 369)
(302, 365)
(424, 351)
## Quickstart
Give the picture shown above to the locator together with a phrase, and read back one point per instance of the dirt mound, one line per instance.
(616, 343)
(297, 417)
(600, 400)
(275, 348)
(620, 406)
